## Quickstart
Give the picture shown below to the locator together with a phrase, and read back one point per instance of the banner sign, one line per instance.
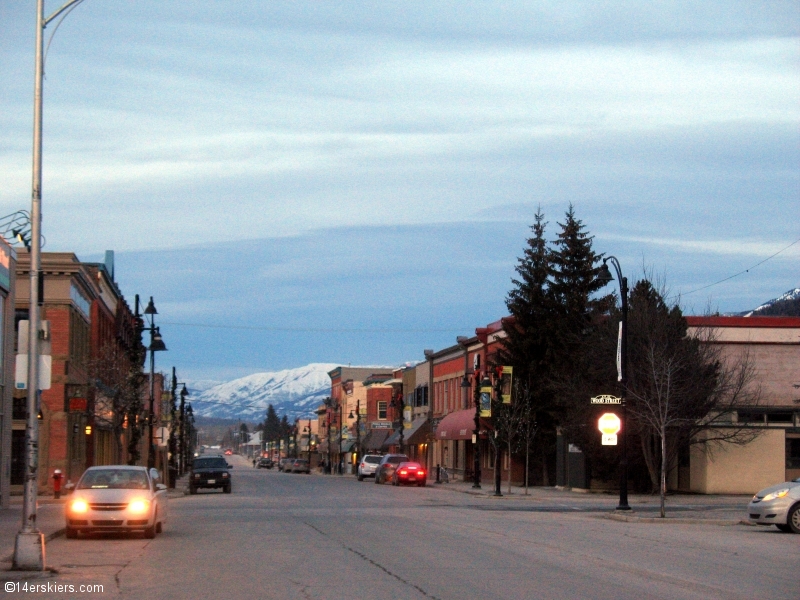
(486, 401)
(506, 381)
(619, 352)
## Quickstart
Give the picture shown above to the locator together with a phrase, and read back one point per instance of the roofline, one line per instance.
(755, 322)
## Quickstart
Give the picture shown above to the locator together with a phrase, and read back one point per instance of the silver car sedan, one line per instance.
(777, 505)
(117, 498)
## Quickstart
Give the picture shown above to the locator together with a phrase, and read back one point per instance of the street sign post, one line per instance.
(606, 399)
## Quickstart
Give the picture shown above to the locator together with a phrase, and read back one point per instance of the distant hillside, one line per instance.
(787, 305)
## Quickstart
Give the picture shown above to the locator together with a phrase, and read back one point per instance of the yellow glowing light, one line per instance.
(138, 506)
(609, 424)
(79, 506)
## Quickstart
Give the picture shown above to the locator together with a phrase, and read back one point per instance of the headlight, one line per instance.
(79, 506)
(138, 506)
(778, 494)
(224, 475)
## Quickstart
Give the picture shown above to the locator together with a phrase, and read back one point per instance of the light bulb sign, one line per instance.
(609, 425)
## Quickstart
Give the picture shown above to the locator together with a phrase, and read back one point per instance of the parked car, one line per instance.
(210, 472)
(282, 463)
(367, 466)
(117, 498)
(387, 466)
(228, 452)
(265, 463)
(777, 505)
(410, 473)
(297, 465)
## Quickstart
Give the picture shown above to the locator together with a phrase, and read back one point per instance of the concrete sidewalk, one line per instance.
(680, 508)
(49, 521)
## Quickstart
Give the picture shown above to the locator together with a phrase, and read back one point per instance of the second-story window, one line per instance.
(382, 410)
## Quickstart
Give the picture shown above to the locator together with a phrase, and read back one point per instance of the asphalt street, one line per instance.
(289, 536)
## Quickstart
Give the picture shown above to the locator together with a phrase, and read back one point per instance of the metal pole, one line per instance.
(623, 483)
(151, 455)
(29, 543)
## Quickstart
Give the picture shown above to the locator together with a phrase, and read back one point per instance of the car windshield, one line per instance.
(372, 459)
(396, 460)
(115, 479)
(216, 462)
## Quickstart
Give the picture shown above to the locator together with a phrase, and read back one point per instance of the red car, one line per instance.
(411, 473)
(228, 452)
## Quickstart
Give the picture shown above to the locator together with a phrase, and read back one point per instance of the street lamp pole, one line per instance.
(29, 543)
(156, 345)
(604, 276)
(182, 432)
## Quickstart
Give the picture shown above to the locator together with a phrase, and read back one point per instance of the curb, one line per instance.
(677, 521)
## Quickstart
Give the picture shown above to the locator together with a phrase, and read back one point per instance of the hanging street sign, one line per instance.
(619, 352)
(606, 399)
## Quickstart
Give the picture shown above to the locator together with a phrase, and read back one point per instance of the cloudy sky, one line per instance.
(353, 181)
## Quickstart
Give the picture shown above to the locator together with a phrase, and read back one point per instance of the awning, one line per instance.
(375, 439)
(458, 425)
(416, 434)
(347, 445)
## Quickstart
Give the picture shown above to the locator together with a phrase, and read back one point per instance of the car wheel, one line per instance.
(783, 528)
(360, 477)
(192, 490)
(793, 519)
(150, 532)
(71, 533)
(159, 527)
(377, 479)
(227, 489)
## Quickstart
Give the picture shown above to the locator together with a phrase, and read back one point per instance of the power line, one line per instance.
(758, 264)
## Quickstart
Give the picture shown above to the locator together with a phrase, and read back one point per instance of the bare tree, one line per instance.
(681, 390)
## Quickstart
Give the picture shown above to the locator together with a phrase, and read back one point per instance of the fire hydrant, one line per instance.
(57, 477)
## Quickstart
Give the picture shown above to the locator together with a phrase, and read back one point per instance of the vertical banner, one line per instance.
(486, 401)
(506, 382)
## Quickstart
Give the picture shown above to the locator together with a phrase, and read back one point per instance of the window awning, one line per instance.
(416, 434)
(458, 425)
(375, 439)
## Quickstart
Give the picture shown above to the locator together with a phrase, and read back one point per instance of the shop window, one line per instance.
(793, 453)
(382, 406)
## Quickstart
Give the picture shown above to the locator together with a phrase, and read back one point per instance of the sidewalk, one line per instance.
(49, 521)
(645, 508)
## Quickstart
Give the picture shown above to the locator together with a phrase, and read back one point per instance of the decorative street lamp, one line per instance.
(358, 429)
(182, 433)
(476, 468)
(156, 345)
(605, 277)
(308, 431)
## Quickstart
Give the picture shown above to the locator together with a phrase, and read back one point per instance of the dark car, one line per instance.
(210, 472)
(299, 465)
(387, 466)
(265, 463)
(410, 473)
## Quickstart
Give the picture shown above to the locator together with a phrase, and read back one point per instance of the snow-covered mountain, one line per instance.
(293, 392)
(785, 304)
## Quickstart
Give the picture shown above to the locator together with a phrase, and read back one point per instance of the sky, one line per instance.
(299, 182)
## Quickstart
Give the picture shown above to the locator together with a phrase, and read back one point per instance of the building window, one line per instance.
(382, 411)
(793, 453)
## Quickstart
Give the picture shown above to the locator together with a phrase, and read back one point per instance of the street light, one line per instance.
(156, 345)
(308, 430)
(476, 467)
(358, 429)
(29, 543)
(604, 277)
(182, 432)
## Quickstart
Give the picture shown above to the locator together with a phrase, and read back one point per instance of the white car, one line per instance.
(367, 466)
(777, 505)
(117, 498)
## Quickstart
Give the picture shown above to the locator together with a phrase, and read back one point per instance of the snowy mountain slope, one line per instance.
(293, 392)
(785, 304)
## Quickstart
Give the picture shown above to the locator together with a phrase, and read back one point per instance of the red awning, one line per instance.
(458, 425)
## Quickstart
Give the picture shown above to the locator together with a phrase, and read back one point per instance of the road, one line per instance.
(292, 536)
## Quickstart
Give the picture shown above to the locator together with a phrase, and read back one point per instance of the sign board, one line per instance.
(381, 425)
(606, 399)
(609, 440)
(161, 435)
(609, 424)
(77, 405)
(21, 371)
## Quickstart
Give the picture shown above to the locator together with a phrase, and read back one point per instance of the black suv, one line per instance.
(210, 472)
(265, 463)
(387, 466)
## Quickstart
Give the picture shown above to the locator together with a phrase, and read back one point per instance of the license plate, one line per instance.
(412, 478)
(212, 481)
